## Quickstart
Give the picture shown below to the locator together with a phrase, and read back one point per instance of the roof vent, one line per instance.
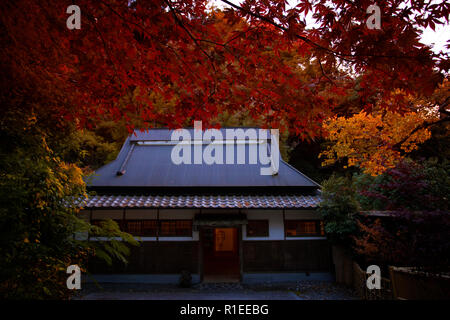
(122, 170)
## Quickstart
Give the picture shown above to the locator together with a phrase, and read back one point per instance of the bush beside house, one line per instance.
(399, 218)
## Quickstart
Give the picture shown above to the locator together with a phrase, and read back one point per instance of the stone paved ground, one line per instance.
(301, 290)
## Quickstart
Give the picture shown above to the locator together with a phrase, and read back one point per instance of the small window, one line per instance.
(258, 228)
(176, 228)
(302, 228)
(149, 228)
(146, 228)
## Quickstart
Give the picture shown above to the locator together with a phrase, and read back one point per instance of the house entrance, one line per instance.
(220, 247)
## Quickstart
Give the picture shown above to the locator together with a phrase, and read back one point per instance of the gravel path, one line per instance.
(301, 290)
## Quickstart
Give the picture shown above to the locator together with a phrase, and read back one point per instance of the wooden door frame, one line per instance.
(240, 253)
(201, 253)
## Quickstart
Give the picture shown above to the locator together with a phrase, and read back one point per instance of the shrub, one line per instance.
(409, 185)
(416, 228)
(337, 208)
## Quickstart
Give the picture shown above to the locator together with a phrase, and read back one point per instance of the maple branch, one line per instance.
(91, 19)
(343, 56)
(150, 36)
(323, 72)
(136, 25)
(422, 126)
(240, 33)
(305, 39)
(181, 24)
(443, 105)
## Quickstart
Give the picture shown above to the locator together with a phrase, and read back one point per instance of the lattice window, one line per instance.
(301, 228)
(258, 228)
(147, 228)
(175, 228)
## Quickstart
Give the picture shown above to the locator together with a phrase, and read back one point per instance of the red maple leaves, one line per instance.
(259, 57)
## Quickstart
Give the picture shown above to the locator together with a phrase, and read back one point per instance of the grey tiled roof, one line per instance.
(204, 201)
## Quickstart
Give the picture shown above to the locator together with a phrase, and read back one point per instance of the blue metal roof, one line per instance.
(150, 165)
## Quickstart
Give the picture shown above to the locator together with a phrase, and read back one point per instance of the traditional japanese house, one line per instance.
(219, 221)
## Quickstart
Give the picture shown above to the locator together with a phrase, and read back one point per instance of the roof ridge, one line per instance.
(298, 171)
(167, 128)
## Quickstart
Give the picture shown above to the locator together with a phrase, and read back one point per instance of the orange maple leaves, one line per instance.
(370, 141)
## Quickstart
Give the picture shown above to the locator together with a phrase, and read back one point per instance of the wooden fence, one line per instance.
(415, 285)
(403, 283)
(350, 274)
(360, 286)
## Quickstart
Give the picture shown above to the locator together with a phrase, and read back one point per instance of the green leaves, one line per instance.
(114, 243)
(38, 213)
(337, 208)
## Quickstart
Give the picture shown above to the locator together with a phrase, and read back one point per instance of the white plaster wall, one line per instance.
(144, 214)
(276, 224)
(175, 214)
(221, 211)
(301, 215)
(107, 214)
